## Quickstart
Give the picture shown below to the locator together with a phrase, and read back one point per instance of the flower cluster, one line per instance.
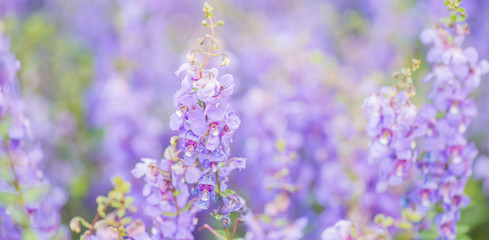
(393, 127)
(446, 164)
(206, 127)
(29, 204)
(113, 224)
(166, 189)
(303, 131)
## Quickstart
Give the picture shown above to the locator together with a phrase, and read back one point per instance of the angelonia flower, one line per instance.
(111, 221)
(393, 127)
(168, 199)
(193, 173)
(30, 206)
(446, 163)
(303, 131)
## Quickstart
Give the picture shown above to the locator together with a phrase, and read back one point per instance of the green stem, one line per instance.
(218, 185)
(228, 236)
(212, 44)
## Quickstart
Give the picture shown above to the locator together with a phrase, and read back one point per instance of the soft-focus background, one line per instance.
(98, 78)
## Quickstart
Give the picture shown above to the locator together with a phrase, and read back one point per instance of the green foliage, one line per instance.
(34, 194)
(18, 215)
(457, 13)
(428, 234)
(7, 198)
(111, 210)
(29, 234)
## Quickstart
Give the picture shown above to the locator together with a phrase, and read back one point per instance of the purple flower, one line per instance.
(206, 191)
(447, 224)
(342, 230)
(393, 127)
(447, 159)
(35, 203)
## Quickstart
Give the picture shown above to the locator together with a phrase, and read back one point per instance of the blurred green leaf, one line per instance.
(18, 215)
(29, 234)
(34, 194)
(8, 198)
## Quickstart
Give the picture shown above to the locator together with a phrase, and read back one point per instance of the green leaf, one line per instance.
(8, 198)
(187, 207)
(461, 18)
(5, 173)
(176, 193)
(4, 127)
(453, 17)
(463, 237)
(445, 20)
(463, 229)
(221, 164)
(428, 234)
(169, 214)
(29, 234)
(79, 186)
(229, 192)
(440, 115)
(18, 215)
(34, 194)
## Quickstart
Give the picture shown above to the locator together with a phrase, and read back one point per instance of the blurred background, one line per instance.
(98, 78)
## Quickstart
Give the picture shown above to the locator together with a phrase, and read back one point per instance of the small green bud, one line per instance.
(207, 10)
(379, 218)
(201, 41)
(220, 23)
(416, 63)
(121, 212)
(100, 210)
(75, 225)
(388, 221)
(405, 225)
